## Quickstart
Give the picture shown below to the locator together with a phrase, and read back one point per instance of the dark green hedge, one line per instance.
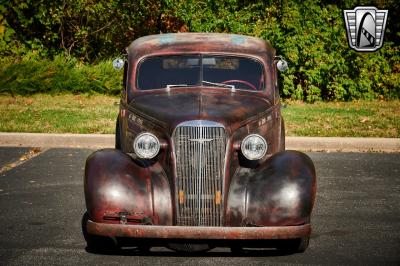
(33, 74)
(309, 34)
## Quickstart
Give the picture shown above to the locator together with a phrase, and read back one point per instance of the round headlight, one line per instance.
(254, 147)
(146, 145)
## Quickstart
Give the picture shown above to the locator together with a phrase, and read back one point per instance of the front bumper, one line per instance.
(195, 232)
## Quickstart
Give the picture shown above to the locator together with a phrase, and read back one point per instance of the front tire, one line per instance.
(298, 245)
(94, 242)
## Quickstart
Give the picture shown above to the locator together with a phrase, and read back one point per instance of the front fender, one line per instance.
(119, 189)
(281, 191)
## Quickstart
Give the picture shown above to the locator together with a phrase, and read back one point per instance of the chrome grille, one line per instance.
(200, 148)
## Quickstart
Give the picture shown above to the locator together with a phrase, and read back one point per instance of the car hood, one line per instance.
(168, 109)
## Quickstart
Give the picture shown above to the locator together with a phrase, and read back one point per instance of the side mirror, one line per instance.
(118, 63)
(281, 64)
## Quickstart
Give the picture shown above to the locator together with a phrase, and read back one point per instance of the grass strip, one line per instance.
(82, 113)
(42, 113)
(343, 119)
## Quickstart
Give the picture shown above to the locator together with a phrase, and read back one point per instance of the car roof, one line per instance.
(199, 42)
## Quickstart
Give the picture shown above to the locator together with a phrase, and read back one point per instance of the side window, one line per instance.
(124, 79)
(276, 82)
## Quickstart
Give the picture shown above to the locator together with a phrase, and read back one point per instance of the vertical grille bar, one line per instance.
(200, 148)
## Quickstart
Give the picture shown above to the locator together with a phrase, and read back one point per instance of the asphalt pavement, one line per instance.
(356, 220)
(10, 154)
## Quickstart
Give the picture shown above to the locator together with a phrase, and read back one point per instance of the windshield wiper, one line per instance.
(232, 87)
(176, 85)
(169, 86)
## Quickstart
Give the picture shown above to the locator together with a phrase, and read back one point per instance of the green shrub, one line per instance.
(309, 34)
(32, 75)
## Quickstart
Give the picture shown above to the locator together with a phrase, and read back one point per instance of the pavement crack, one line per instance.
(32, 153)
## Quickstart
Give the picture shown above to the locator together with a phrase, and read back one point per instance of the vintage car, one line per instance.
(199, 158)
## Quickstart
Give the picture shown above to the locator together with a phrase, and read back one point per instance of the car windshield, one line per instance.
(200, 70)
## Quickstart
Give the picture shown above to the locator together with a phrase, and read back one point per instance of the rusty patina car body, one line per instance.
(199, 189)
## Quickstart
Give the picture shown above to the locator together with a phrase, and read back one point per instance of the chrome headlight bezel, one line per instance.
(139, 150)
(261, 141)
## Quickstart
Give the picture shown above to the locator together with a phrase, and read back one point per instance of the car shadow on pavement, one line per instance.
(164, 252)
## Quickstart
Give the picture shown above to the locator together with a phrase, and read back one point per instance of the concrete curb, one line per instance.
(343, 144)
(45, 140)
(97, 141)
